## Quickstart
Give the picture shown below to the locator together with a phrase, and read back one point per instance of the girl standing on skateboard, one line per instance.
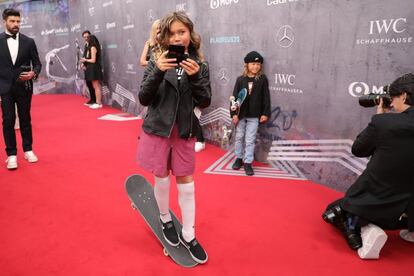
(254, 110)
(169, 89)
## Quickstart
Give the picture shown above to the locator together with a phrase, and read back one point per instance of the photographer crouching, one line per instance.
(383, 195)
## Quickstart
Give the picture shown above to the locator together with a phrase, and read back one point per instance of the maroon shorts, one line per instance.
(160, 154)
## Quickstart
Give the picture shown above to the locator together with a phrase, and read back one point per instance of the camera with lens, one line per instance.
(331, 214)
(372, 99)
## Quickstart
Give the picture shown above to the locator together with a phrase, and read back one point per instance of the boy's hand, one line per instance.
(263, 119)
(235, 119)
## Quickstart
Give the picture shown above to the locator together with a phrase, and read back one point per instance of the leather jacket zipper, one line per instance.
(191, 120)
(175, 114)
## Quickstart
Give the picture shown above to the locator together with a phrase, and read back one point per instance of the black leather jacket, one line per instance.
(170, 101)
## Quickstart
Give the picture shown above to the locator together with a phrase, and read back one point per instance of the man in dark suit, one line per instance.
(383, 196)
(19, 65)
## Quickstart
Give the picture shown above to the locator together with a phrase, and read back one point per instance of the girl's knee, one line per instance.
(184, 179)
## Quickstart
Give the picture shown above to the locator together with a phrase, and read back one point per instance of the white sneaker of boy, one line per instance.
(11, 162)
(199, 146)
(30, 156)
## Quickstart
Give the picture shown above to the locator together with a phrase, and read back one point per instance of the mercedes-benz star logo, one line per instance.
(223, 76)
(285, 36)
(151, 16)
(129, 45)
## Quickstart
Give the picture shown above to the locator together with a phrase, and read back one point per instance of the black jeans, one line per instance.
(91, 91)
(22, 97)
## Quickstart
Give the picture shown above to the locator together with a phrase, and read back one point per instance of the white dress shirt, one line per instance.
(13, 46)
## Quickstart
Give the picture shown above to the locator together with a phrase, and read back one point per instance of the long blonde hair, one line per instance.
(163, 38)
(153, 34)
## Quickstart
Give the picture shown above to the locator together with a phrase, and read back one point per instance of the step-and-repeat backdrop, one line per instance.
(320, 56)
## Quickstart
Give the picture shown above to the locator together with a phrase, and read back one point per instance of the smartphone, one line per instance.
(178, 52)
(26, 68)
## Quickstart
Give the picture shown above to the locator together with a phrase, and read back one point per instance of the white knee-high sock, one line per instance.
(186, 199)
(162, 195)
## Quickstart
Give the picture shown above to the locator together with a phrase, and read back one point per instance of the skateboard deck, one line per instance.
(235, 104)
(141, 195)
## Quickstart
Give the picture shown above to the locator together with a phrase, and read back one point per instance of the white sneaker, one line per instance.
(11, 162)
(199, 146)
(95, 106)
(373, 239)
(30, 156)
(406, 235)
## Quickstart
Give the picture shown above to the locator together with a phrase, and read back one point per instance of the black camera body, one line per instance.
(332, 214)
(372, 99)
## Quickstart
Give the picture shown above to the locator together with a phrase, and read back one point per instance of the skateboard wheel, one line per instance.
(165, 251)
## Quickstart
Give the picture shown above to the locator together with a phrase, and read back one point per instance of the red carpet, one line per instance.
(68, 214)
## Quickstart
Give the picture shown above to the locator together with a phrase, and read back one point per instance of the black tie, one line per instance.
(11, 36)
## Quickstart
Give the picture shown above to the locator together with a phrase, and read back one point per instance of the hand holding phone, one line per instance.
(26, 73)
(26, 68)
(165, 63)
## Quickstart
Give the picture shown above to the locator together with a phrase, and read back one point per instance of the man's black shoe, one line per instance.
(248, 169)
(237, 164)
(196, 251)
(169, 233)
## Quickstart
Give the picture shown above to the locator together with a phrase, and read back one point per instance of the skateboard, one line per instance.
(235, 104)
(141, 195)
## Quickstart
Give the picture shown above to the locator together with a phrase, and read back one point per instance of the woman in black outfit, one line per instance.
(93, 71)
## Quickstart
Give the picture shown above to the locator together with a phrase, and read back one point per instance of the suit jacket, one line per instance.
(27, 55)
(385, 189)
(258, 103)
